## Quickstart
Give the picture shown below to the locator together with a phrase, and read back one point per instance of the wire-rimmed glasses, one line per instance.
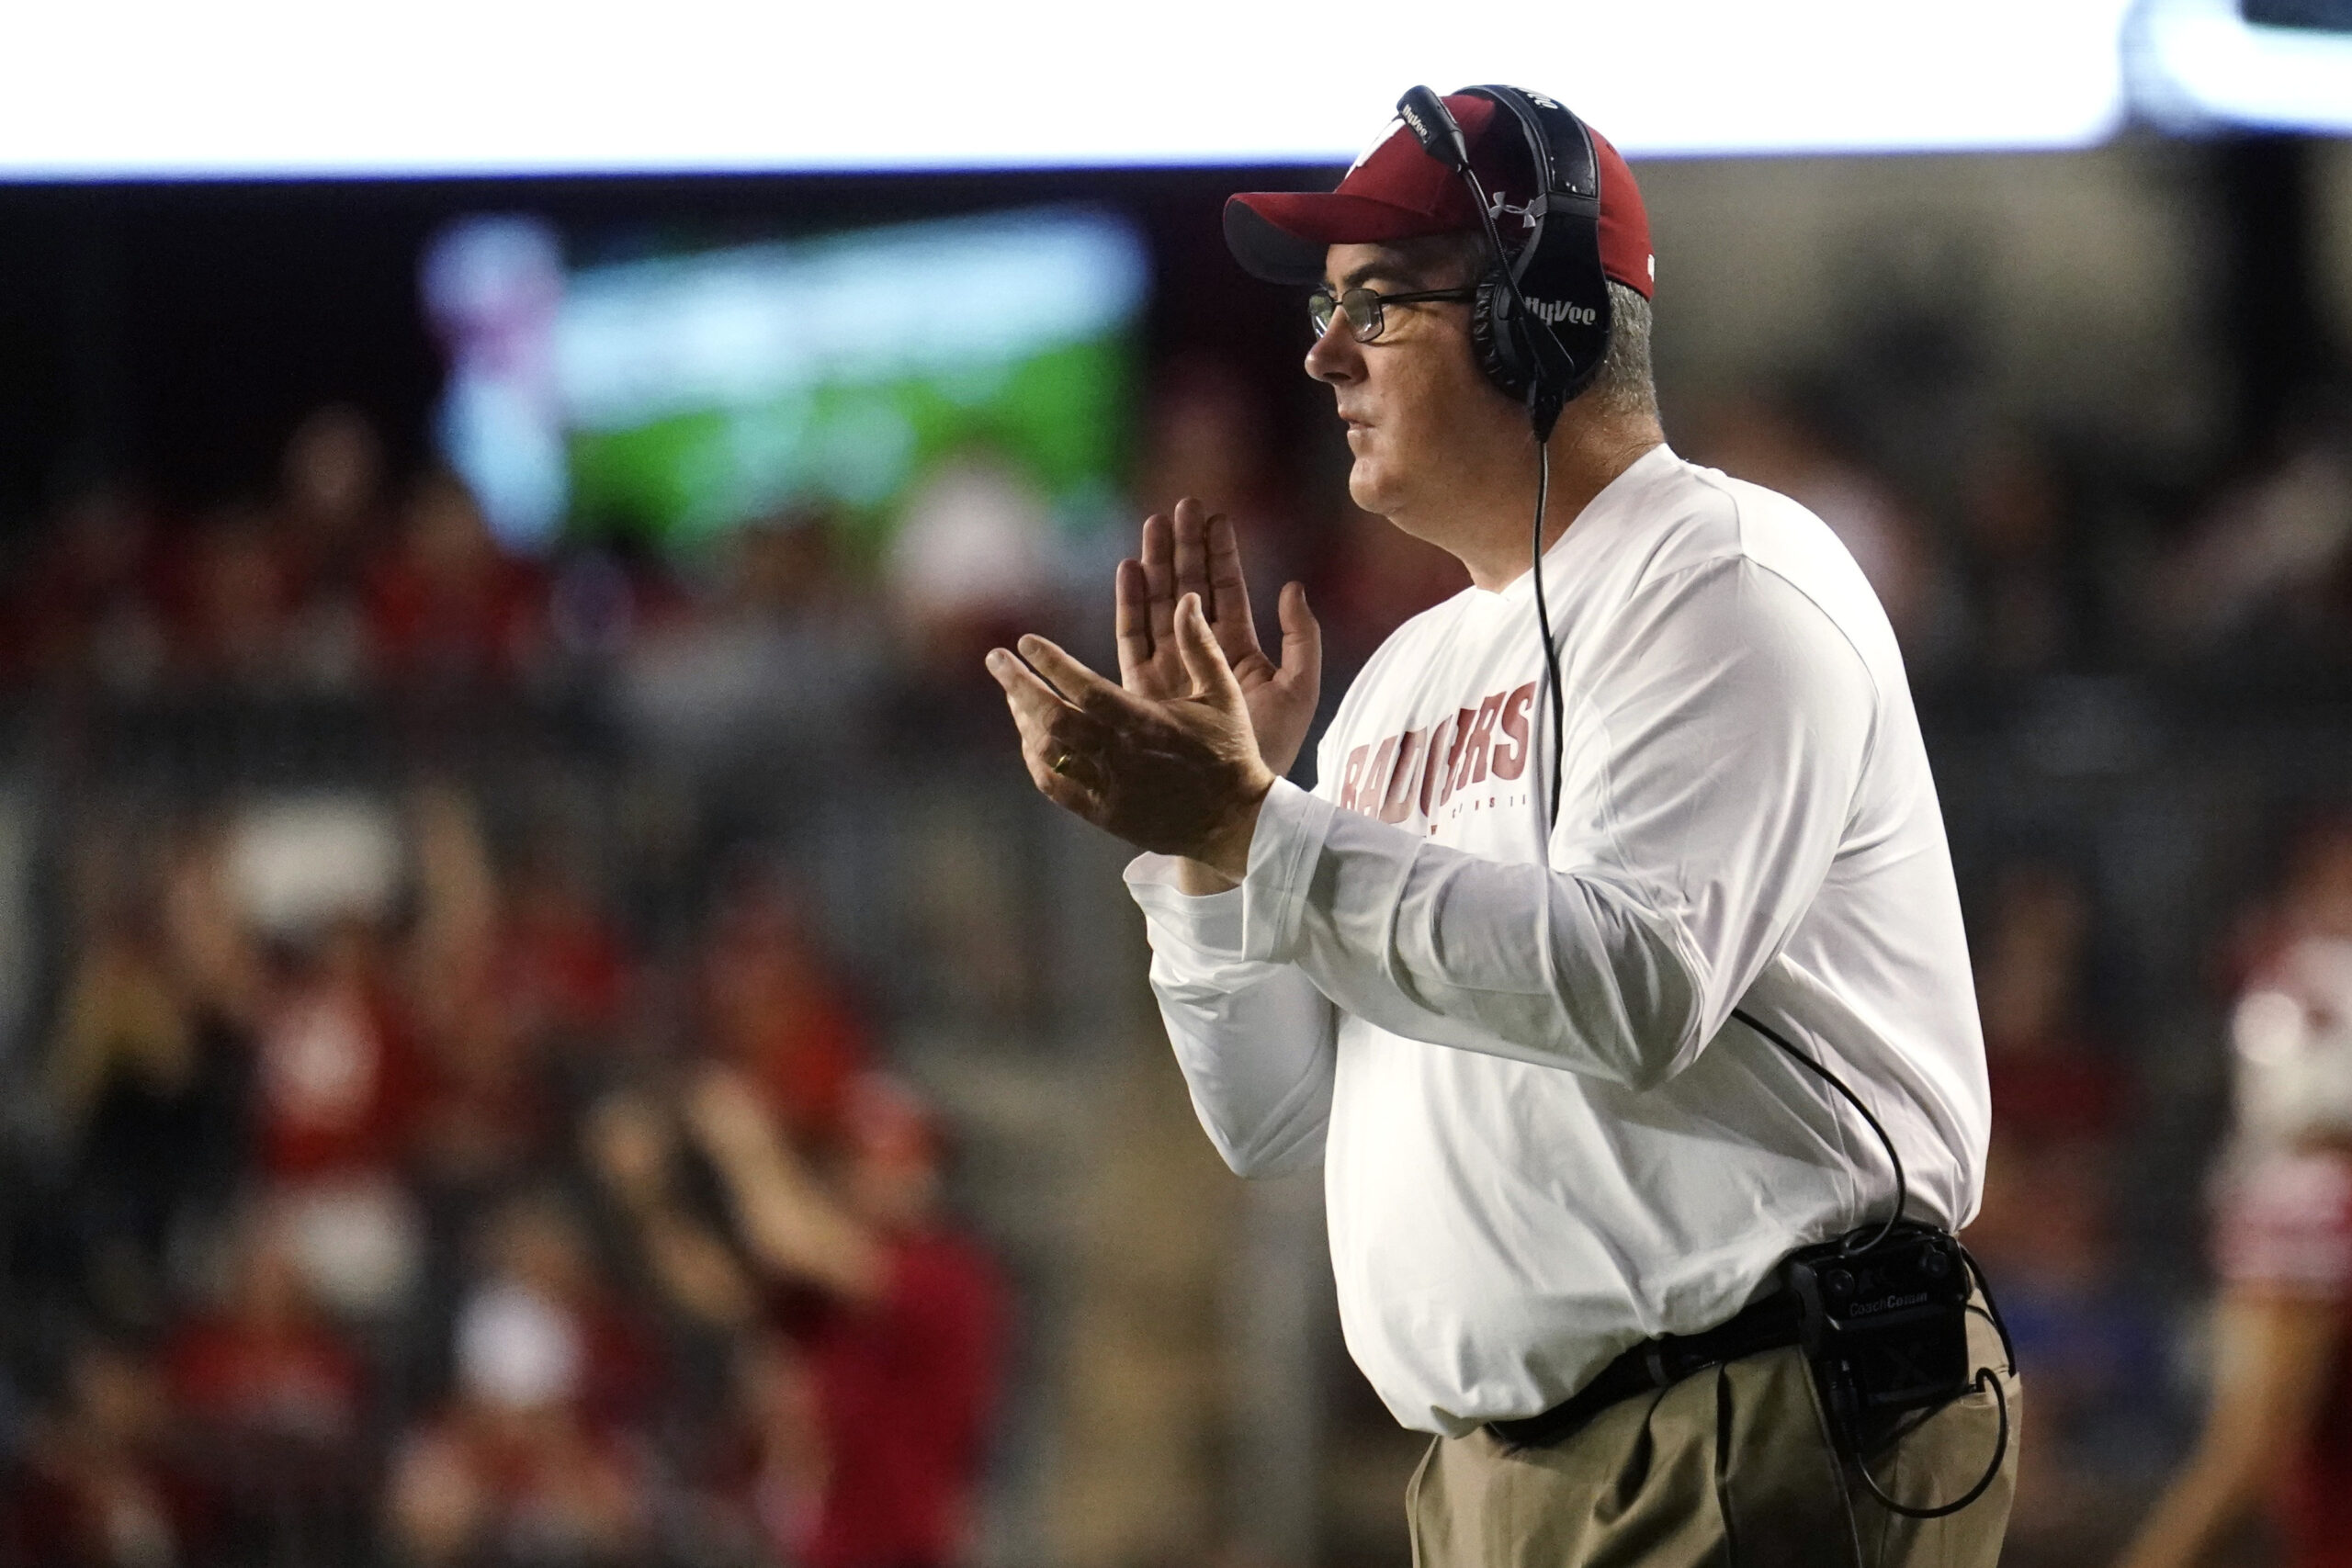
(1361, 306)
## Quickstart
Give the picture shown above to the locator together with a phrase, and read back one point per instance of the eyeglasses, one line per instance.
(1362, 308)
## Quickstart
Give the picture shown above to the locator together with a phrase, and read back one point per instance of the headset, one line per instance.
(1541, 322)
(1884, 1308)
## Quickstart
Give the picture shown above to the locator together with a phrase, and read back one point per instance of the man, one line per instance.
(1546, 1143)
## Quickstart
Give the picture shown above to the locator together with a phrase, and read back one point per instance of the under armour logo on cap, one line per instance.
(1397, 191)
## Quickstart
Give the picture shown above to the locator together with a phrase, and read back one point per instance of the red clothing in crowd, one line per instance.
(339, 1083)
(2287, 1231)
(479, 622)
(806, 1064)
(563, 968)
(541, 1485)
(296, 1382)
(773, 1010)
(621, 1367)
(905, 1386)
(2059, 1088)
(77, 1510)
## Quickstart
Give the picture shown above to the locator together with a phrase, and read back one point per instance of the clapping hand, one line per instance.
(1178, 757)
(1197, 553)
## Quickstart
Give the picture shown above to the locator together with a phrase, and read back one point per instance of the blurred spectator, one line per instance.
(147, 1070)
(103, 1487)
(339, 1088)
(2272, 560)
(83, 608)
(972, 564)
(2086, 1340)
(330, 498)
(1381, 577)
(513, 1471)
(904, 1360)
(773, 1010)
(2054, 1080)
(329, 517)
(234, 599)
(497, 984)
(900, 1362)
(267, 1367)
(563, 966)
(447, 607)
(2279, 1428)
(2085, 1335)
(1206, 434)
(338, 1075)
(2015, 527)
(787, 659)
(2315, 900)
(274, 1402)
(537, 1243)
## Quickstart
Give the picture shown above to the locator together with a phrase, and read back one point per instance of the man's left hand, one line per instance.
(1180, 776)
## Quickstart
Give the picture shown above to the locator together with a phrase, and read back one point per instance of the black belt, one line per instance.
(1766, 1325)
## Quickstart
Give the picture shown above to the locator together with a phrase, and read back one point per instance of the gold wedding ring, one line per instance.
(1060, 763)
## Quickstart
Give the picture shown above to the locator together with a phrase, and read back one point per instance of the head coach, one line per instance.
(1613, 969)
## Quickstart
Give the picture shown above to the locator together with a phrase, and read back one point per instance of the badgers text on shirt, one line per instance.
(1418, 771)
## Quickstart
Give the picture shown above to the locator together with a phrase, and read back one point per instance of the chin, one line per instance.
(1368, 489)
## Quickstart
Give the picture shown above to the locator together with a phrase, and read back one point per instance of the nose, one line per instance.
(1335, 356)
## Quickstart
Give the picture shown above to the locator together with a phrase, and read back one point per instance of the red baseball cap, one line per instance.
(1397, 192)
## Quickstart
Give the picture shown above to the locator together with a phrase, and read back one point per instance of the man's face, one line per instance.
(1425, 424)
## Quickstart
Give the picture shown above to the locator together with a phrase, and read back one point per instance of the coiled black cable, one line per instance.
(1985, 1377)
(1852, 1246)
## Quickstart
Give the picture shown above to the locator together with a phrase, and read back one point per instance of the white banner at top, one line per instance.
(243, 88)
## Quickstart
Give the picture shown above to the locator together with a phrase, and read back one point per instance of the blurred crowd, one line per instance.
(2012, 551)
(2015, 552)
(379, 1191)
(414, 1225)
(387, 1191)
(418, 1223)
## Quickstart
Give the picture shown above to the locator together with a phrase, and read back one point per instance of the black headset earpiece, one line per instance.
(1541, 323)
(1502, 344)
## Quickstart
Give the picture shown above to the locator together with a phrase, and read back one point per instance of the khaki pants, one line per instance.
(1646, 1484)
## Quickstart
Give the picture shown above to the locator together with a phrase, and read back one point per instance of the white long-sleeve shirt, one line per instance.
(1544, 1138)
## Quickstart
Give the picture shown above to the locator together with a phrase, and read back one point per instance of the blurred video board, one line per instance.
(671, 397)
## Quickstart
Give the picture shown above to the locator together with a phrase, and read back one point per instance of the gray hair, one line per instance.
(1624, 386)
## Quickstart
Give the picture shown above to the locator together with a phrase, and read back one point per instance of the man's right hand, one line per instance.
(1194, 552)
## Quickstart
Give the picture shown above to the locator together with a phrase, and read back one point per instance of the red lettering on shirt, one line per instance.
(1471, 767)
(1397, 804)
(1508, 763)
(1375, 788)
(1437, 759)
(1451, 773)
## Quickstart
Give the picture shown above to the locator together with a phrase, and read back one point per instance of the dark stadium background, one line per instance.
(2148, 791)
